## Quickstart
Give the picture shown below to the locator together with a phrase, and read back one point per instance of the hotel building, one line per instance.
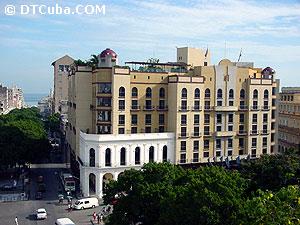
(289, 119)
(187, 112)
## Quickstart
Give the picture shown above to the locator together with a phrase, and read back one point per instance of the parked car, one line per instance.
(86, 203)
(38, 195)
(41, 214)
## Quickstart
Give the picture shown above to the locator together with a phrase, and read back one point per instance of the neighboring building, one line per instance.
(60, 97)
(289, 119)
(45, 106)
(3, 99)
(192, 114)
(10, 98)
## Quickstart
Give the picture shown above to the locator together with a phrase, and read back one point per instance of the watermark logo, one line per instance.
(57, 9)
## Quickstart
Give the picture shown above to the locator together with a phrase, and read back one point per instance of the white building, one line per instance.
(105, 157)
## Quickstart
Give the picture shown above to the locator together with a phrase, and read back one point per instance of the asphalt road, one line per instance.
(25, 210)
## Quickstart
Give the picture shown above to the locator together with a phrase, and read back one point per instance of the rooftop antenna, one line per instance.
(240, 55)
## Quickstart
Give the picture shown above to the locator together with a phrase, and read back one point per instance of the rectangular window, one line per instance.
(134, 119)
(161, 129)
(133, 130)
(134, 104)
(161, 104)
(254, 118)
(184, 105)
(183, 146)
(205, 154)
(104, 116)
(161, 119)
(148, 104)
(241, 142)
(121, 130)
(206, 144)
(195, 157)
(206, 130)
(183, 119)
(104, 88)
(183, 131)
(218, 143)
(219, 103)
(147, 129)
(182, 158)
(196, 145)
(148, 119)
(219, 128)
(196, 131)
(265, 117)
(106, 102)
(219, 118)
(230, 118)
(229, 143)
(242, 118)
(121, 104)
(196, 119)
(207, 105)
(121, 119)
(230, 127)
(254, 141)
(265, 141)
(206, 118)
(196, 104)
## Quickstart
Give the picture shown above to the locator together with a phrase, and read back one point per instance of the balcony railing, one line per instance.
(135, 108)
(265, 131)
(243, 107)
(254, 132)
(148, 107)
(242, 132)
(265, 107)
(196, 134)
(183, 135)
(183, 108)
(207, 133)
(254, 107)
(161, 107)
(208, 108)
(196, 108)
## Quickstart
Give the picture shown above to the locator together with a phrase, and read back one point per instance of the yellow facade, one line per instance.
(207, 127)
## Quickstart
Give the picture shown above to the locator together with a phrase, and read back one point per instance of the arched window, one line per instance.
(107, 157)
(121, 92)
(134, 92)
(137, 156)
(255, 93)
(148, 93)
(123, 157)
(92, 184)
(219, 93)
(92, 157)
(183, 93)
(242, 94)
(266, 94)
(197, 93)
(162, 93)
(151, 154)
(165, 154)
(207, 93)
(231, 93)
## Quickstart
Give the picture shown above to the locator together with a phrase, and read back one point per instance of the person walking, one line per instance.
(94, 215)
(98, 218)
(16, 220)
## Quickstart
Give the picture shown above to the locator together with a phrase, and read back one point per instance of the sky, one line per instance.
(267, 31)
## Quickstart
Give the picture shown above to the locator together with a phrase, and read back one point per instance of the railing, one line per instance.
(183, 108)
(135, 108)
(254, 132)
(162, 108)
(242, 132)
(265, 107)
(265, 131)
(254, 107)
(148, 107)
(196, 108)
(208, 107)
(243, 107)
(196, 134)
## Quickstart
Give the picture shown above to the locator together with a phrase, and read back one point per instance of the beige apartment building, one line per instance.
(289, 119)
(200, 112)
(60, 91)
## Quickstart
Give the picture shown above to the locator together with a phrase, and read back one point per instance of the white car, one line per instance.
(41, 214)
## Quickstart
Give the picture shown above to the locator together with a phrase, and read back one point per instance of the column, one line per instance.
(157, 154)
(116, 156)
(100, 185)
(127, 155)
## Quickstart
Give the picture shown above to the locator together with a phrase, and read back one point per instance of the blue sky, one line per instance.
(267, 31)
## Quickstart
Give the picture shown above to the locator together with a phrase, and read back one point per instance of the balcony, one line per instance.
(183, 108)
(135, 108)
(148, 107)
(162, 108)
(253, 132)
(265, 108)
(196, 108)
(226, 108)
(183, 135)
(208, 108)
(243, 107)
(264, 132)
(242, 132)
(224, 133)
(254, 108)
(196, 134)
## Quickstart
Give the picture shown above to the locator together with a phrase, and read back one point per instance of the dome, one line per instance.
(225, 62)
(107, 52)
(267, 71)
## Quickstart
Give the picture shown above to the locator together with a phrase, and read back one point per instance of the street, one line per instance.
(25, 210)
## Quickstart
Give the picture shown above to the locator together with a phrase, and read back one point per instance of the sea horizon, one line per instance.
(32, 99)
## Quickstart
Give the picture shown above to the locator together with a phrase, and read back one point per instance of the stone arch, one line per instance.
(92, 184)
(123, 156)
(151, 154)
(107, 177)
(92, 157)
(165, 154)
